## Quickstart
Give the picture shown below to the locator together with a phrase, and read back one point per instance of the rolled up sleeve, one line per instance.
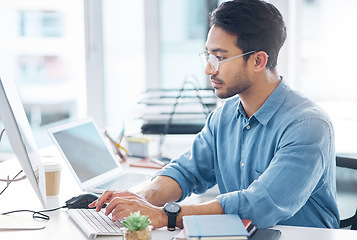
(194, 171)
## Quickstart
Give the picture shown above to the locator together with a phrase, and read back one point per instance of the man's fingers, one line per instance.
(114, 203)
(122, 205)
(121, 214)
(106, 197)
(92, 204)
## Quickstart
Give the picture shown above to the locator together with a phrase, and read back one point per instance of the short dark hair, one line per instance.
(258, 25)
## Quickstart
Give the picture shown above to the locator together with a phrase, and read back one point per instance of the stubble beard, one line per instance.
(241, 83)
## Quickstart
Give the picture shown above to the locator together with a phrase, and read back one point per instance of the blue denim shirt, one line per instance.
(276, 167)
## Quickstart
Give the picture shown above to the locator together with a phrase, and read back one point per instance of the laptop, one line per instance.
(90, 158)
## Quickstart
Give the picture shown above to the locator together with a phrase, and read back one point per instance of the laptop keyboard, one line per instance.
(95, 223)
(124, 181)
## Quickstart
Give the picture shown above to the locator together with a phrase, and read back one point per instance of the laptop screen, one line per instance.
(85, 150)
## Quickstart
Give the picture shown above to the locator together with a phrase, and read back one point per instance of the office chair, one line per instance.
(352, 221)
(351, 163)
(346, 162)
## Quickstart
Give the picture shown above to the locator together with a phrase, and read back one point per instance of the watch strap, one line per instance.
(171, 225)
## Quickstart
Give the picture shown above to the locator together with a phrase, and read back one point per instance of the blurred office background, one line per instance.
(78, 58)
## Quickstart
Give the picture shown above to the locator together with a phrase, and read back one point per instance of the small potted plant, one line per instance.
(137, 227)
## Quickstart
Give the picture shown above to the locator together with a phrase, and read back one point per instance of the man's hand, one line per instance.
(121, 204)
(106, 197)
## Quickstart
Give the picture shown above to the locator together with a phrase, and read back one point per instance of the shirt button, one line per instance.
(247, 127)
(242, 164)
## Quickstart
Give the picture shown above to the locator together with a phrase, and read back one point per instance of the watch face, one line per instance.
(172, 207)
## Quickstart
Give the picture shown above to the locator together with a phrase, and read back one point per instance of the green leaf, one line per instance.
(136, 221)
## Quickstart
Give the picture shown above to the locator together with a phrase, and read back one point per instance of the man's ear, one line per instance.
(260, 61)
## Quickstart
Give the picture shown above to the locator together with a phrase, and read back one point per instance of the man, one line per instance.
(269, 149)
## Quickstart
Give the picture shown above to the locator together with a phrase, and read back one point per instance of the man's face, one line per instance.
(232, 76)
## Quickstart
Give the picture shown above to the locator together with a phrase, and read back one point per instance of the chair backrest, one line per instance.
(352, 221)
(350, 163)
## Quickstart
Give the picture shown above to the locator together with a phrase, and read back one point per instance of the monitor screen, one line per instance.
(20, 136)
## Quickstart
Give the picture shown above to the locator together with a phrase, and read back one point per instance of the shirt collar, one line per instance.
(240, 109)
(271, 105)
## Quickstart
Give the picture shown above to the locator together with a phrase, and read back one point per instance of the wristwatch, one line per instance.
(172, 210)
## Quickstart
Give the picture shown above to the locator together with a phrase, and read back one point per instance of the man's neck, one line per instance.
(261, 89)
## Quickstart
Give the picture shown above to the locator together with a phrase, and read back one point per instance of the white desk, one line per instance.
(21, 196)
(305, 233)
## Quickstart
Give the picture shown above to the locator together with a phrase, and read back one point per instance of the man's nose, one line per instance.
(208, 70)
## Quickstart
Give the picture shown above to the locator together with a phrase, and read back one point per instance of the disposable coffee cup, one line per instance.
(53, 177)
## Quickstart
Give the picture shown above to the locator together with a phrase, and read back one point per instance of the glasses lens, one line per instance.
(204, 58)
(213, 61)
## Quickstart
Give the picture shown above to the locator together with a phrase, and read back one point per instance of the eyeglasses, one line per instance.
(213, 60)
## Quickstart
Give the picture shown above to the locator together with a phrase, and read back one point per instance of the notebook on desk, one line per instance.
(90, 159)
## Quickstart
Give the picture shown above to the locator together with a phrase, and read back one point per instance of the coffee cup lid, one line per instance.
(51, 166)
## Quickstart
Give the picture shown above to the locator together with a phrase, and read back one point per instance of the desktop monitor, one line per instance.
(20, 136)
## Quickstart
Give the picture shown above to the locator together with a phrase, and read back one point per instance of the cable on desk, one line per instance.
(37, 214)
(14, 179)
(7, 180)
(1, 133)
